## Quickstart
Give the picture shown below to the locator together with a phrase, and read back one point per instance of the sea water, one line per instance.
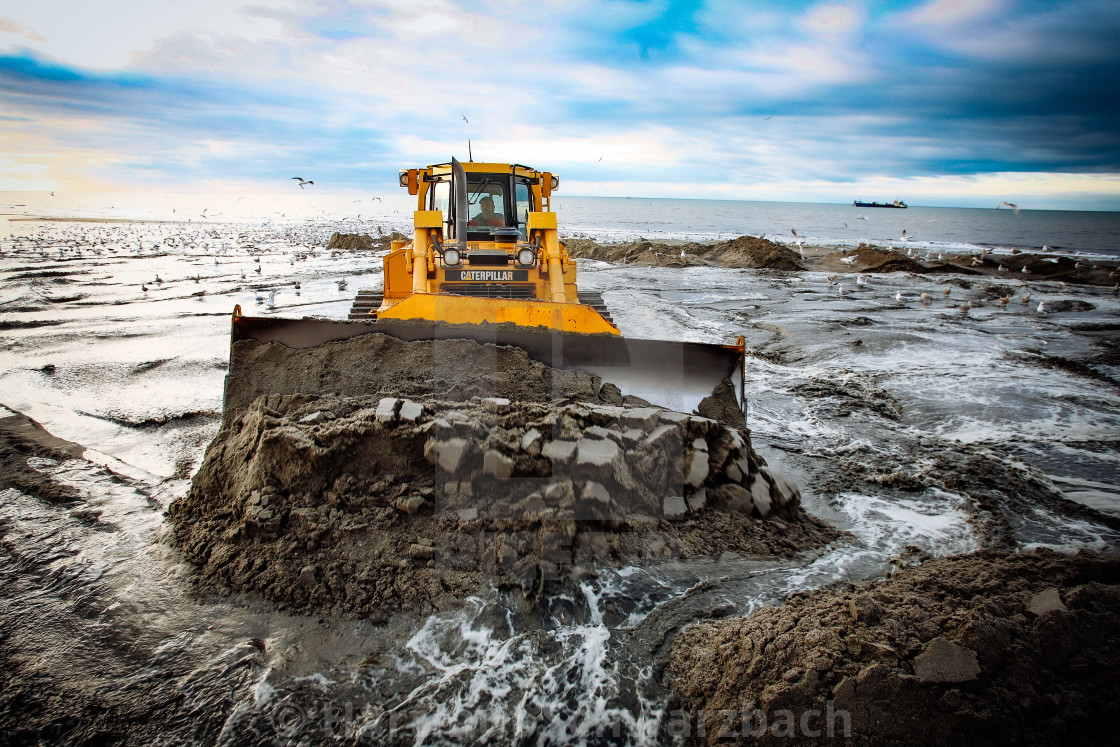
(960, 230)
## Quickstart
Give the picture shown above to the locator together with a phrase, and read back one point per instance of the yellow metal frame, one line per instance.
(564, 317)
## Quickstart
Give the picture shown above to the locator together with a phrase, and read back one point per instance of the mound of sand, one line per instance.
(350, 242)
(371, 479)
(361, 242)
(994, 648)
(870, 259)
(641, 252)
(746, 251)
(369, 505)
(754, 252)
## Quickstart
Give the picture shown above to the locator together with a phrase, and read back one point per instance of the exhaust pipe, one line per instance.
(459, 203)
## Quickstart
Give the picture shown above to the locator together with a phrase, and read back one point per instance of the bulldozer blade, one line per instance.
(675, 375)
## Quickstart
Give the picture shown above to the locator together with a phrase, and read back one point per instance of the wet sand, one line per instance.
(993, 591)
(987, 648)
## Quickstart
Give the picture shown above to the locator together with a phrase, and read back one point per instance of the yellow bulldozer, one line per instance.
(485, 263)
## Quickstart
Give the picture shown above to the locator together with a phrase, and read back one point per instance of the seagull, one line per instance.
(905, 237)
(258, 270)
(798, 238)
(1025, 271)
(861, 217)
(898, 297)
(143, 287)
(832, 279)
(861, 279)
(850, 260)
(242, 274)
(1011, 205)
(1002, 268)
(843, 293)
(342, 285)
(465, 119)
(925, 298)
(1041, 307)
(767, 119)
(948, 290)
(271, 298)
(1003, 301)
(302, 181)
(1052, 259)
(1025, 298)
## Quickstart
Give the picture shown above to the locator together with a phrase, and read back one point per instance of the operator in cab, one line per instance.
(487, 216)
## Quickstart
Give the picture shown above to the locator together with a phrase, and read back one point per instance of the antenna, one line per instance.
(470, 157)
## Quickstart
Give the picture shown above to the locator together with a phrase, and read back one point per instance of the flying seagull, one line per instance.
(302, 181)
(465, 119)
(1011, 205)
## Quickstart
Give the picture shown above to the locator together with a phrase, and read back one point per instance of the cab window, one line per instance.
(486, 204)
(440, 196)
(523, 199)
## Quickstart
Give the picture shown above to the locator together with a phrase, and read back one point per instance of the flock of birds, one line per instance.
(978, 259)
(223, 260)
(863, 282)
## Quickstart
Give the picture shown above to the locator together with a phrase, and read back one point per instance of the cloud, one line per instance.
(805, 94)
(954, 12)
(833, 20)
(8, 26)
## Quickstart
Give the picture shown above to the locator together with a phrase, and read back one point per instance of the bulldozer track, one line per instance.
(595, 301)
(366, 304)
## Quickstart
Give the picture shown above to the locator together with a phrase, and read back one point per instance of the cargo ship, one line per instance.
(895, 204)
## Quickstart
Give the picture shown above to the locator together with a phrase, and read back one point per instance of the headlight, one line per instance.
(525, 257)
(451, 256)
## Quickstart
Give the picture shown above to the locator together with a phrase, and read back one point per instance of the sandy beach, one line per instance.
(895, 499)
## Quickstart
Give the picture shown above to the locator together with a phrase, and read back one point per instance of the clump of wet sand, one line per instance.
(989, 647)
(423, 488)
(362, 242)
(745, 252)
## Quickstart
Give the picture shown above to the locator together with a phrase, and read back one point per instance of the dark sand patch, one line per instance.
(981, 648)
(22, 438)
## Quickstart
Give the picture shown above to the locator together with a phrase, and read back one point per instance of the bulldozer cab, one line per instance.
(493, 200)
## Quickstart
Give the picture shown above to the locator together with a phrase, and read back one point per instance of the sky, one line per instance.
(936, 102)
